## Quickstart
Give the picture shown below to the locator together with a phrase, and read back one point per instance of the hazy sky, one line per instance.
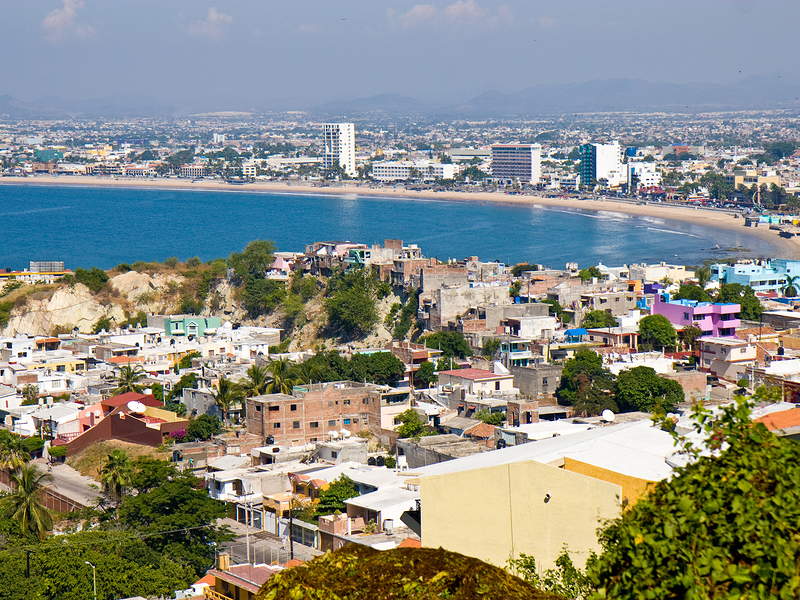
(302, 53)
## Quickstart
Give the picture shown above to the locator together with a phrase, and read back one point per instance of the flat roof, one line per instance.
(475, 374)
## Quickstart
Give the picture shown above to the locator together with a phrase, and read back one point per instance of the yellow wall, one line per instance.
(496, 513)
(70, 365)
(633, 488)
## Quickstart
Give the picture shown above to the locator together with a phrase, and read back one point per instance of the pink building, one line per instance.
(715, 320)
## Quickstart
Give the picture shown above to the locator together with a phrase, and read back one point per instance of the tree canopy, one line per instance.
(727, 525)
(641, 388)
(451, 343)
(351, 303)
(332, 498)
(586, 384)
(656, 333)
(690, 291)
(599, 318)
(745, 297)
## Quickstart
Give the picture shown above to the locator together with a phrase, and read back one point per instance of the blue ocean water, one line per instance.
(97, 226)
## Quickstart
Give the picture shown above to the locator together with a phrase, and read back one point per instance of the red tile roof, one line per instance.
(481, 430)
(123, 399)
(781, 420)
(295, 562)
(249, 577)
(124, 360)
(206, 579)
(474, 374)
(410, 543)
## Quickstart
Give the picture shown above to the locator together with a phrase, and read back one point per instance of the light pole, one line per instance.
(94, 578)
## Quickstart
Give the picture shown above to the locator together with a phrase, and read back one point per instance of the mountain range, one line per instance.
(759, 92)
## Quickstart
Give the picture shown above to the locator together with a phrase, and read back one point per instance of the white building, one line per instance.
(646, 174)
(249, 169)
(191, 171)
(517, 162)
(609, 164)
(402, 170)
(339, 147)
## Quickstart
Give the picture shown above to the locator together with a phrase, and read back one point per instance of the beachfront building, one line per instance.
(762, 277)
(193, 171)
(426, 170)
(748, 177)
(602, 163)
(339, 147)
(643, 176)
(517, 162)
(713, 319)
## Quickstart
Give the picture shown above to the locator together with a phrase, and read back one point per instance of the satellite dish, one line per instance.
(608, 416)
(333, 434)
(344, 433)
(136, 407)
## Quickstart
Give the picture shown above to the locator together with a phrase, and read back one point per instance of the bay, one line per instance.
(98, 226)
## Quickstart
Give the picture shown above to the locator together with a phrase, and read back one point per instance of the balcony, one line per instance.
(211, 594)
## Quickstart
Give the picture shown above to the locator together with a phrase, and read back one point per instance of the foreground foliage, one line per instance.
(358, 572)
(725, 526)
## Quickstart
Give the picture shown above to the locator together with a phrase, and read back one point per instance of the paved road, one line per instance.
(70, 483)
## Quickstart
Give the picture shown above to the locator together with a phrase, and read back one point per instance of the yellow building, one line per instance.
(534, 498)
(750, 176)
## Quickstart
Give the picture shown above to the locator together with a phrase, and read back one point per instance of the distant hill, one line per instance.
(13, 109)
(389, 103)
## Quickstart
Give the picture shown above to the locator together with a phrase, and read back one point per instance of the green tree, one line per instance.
(451, 343)
(383, 368)
(178, 519)
(726, 525)
(332, 498)
(597, 319)
(128, 380)
(150, 473)
(203, 427)
(790, 289)
(158, 391)
(103, 324)
(281, 381)
(566, 580)
(13, 454)
(226, 394)
(490, 347)
(703, 275)
(351, 305)
(656, 332)
(116, 474)
(586, 385)
(255, 259)
(307, 372)
(186, 360)
(30, 391)
(95, 279)
(691, 333)
(24, 503)
(587, 274)
(412, 425)
(751, 308)
(255, 381)
(187, 381)
(556, 310)
(641, 388)
(426, 373)
(690, 291)
(492, 418)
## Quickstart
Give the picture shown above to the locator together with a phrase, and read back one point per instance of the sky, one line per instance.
(278, 54)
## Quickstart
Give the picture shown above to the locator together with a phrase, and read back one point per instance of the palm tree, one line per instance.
(13, 454)
(116, 474)
(24, 503)
(128, 380)
(790, 289)
(226, 394)
(255, 382)
(307, 372)
(30, 392)
(281, 381)
(703, 275)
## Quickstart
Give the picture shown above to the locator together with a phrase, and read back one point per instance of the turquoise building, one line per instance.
(185, 325)
(768, 277)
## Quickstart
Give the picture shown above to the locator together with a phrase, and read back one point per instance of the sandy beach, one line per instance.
(785, 248)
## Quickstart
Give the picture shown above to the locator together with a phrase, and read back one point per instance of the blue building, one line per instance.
(769, 277)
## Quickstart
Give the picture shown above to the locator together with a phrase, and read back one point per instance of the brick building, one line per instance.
(311, 411)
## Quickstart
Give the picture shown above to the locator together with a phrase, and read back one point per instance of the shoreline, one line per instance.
(785, 248)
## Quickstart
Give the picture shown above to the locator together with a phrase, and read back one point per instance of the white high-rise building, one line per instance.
(609, 163)
(339, 146)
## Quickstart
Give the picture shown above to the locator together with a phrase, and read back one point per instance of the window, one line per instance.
(544, 381)
(61, 368)
(355, 421)
(312, 440)
(346, 402)
(314, 424)
(295, 424)
(274, 408)
(686, 316)
(742, 350)
(293, 407)
(276, 425)
(496, 385)
(258, 408)
(365, 401)
(334, 454)
(331, 423)
(346, 421)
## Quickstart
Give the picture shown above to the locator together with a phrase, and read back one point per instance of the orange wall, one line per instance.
(633, 488)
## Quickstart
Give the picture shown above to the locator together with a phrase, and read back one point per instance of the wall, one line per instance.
(496, 513)
(531, 380)
(633, 488)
